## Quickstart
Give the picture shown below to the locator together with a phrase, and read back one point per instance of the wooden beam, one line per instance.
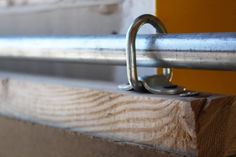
(191, 126)
(230, 146)
(24, 139)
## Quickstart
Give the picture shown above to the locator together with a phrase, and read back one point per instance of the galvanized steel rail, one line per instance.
(196, 51)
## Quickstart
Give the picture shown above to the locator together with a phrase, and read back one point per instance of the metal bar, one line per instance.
(196, 51)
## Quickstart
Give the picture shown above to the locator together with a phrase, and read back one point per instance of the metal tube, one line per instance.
(196, 51)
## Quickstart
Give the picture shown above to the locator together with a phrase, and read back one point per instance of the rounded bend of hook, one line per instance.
(131, 48)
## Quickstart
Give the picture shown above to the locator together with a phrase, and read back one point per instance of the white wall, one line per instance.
(78, 21)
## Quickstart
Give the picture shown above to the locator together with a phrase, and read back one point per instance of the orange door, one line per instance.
(188, 16)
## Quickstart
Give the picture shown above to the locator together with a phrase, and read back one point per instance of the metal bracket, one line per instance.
(157, 84)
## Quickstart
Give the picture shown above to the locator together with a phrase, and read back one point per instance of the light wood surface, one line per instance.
(200, 126)
(24, 139)
(230, 145)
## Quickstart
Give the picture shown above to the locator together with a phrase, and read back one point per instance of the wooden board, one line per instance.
(21, 139)
(231, 133)
(191, 126)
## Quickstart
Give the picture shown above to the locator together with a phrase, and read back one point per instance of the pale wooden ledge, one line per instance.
(202, 126)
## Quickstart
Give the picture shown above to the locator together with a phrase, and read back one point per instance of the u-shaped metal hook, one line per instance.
(157, 84)
(136, 84)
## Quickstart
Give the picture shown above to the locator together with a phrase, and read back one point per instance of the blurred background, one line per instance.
(71, 18)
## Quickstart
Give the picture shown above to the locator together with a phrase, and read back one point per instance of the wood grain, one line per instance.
(185, 126)
(216, 128)
(53, 142)
(230, 146)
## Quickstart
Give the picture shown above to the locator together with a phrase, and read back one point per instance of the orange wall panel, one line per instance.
(189, 16)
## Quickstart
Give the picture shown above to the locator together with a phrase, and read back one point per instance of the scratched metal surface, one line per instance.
(196, 51)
